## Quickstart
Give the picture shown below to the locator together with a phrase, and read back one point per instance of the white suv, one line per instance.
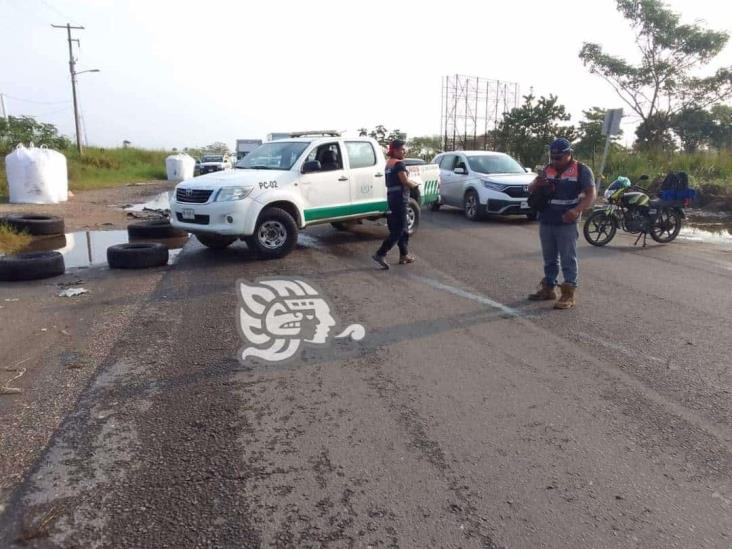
(286, 185)
(481, 182)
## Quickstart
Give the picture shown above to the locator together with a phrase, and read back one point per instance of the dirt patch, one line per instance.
(95, 209)
(50, 347)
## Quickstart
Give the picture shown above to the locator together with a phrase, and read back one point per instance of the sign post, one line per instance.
(610, 127)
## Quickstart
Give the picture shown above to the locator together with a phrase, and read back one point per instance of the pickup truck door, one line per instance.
(328, 192)
(368, 189)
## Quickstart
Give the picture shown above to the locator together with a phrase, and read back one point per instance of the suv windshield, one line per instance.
(277, 155)
(212, 158)
(494, 163)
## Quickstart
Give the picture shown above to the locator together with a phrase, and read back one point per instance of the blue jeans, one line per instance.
(559, 245)
(396, 219)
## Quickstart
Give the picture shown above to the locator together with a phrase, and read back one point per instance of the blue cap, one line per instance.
(560, 146)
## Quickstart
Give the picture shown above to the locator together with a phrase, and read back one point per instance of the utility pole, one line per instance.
(72, 70)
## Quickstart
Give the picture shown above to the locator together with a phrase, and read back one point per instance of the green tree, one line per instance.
(425, 147)
(694, 128)
(379, 133)
(591, 141)
(217, 148)
(662, 84)
(382, 135)
(25, 130)
(722, 127)
(526, 131)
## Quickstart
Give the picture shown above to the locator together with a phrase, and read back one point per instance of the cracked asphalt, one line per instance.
(467, 416)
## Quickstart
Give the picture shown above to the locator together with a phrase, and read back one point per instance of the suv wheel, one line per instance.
(471, 205)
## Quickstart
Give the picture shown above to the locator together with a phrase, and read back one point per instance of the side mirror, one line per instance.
(527, 170)
(460, 170)
(312, 166)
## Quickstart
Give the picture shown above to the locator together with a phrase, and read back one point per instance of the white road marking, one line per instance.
(467, 295)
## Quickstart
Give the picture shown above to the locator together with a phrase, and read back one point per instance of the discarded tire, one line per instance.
(154, 228)
(31, 266)
(137, 255)
(35, 224)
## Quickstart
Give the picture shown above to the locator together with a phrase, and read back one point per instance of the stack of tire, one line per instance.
(143, 255)
(137, 254)
(33, 265)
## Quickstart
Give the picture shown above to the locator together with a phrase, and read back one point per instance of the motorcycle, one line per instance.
(630, 208)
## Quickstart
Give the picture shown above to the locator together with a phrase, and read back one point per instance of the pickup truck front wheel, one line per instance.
(413, 214)
(275, 235)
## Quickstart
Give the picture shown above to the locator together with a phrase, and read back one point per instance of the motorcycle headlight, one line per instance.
(609, 193)
(493, 186)
(228, 194)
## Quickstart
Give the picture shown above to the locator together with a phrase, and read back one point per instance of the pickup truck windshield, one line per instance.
(212, 159)
(494, 164)
(273, 156)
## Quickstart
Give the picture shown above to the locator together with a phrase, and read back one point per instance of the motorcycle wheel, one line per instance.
(599, 228)
(666, 226)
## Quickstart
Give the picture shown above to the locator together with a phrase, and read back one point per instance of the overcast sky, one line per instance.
(177, 74)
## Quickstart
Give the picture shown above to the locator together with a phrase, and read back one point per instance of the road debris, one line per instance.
(73, 292)
(7, 389)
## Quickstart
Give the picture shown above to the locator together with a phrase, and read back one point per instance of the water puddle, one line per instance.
(85, 249)
(709, 227)
(158, 202)
(695, 234)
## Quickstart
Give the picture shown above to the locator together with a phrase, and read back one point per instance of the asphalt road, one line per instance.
(466, 417)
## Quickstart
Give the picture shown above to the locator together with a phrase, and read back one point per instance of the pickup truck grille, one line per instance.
(516, 191)
(192, 196)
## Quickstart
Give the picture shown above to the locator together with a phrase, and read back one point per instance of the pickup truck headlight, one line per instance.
(494, 186)
(228, 194)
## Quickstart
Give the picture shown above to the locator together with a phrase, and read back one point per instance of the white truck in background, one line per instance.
(245, 146)
(214, 163)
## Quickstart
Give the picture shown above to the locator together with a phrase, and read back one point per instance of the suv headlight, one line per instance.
(227, 194)
(494, 186)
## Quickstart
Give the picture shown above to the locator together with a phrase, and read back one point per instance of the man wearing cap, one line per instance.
(572, 191)
(398, 186)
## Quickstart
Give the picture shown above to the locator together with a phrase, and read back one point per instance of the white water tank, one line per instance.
(37, 175)
(179, 167)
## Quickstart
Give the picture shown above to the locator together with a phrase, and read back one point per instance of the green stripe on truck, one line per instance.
(330, 212)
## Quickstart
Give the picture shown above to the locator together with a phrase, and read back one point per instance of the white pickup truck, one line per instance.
(284, 186)
(214, 163)
(287, 185)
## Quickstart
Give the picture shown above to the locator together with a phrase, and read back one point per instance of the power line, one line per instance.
(52, 8)
(36, 102)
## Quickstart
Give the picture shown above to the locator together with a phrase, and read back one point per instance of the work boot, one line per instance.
(566, 300)
(545, 293)
(381, 260)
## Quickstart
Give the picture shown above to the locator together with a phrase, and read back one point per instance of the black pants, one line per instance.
(397, 222)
